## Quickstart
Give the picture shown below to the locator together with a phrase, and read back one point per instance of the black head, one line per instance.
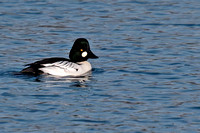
(81, 51)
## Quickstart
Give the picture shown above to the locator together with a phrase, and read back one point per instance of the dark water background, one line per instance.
(147, 78)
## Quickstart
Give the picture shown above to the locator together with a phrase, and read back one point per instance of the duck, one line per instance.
(76, 65)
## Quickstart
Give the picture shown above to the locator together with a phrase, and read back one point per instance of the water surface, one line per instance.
(146, 79)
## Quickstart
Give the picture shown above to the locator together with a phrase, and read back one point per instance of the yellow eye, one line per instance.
(81, 50)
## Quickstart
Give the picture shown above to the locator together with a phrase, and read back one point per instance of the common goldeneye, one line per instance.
(76, 65)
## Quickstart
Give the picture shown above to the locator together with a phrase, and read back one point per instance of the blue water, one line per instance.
(147, 78)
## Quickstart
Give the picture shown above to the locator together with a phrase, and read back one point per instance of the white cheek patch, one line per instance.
(84, 54)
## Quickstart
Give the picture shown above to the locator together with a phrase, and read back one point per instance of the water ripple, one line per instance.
(90, 121)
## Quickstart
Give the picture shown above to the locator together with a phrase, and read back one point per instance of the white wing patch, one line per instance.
(61, 68)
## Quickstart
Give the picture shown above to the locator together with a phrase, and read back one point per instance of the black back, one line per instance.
(34, 67)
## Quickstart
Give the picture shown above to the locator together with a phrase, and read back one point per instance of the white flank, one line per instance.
(66, 68)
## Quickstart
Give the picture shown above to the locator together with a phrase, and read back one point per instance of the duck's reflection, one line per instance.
(77, 81)
(55, 81)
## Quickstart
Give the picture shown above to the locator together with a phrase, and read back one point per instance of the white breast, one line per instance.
(66, 68)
